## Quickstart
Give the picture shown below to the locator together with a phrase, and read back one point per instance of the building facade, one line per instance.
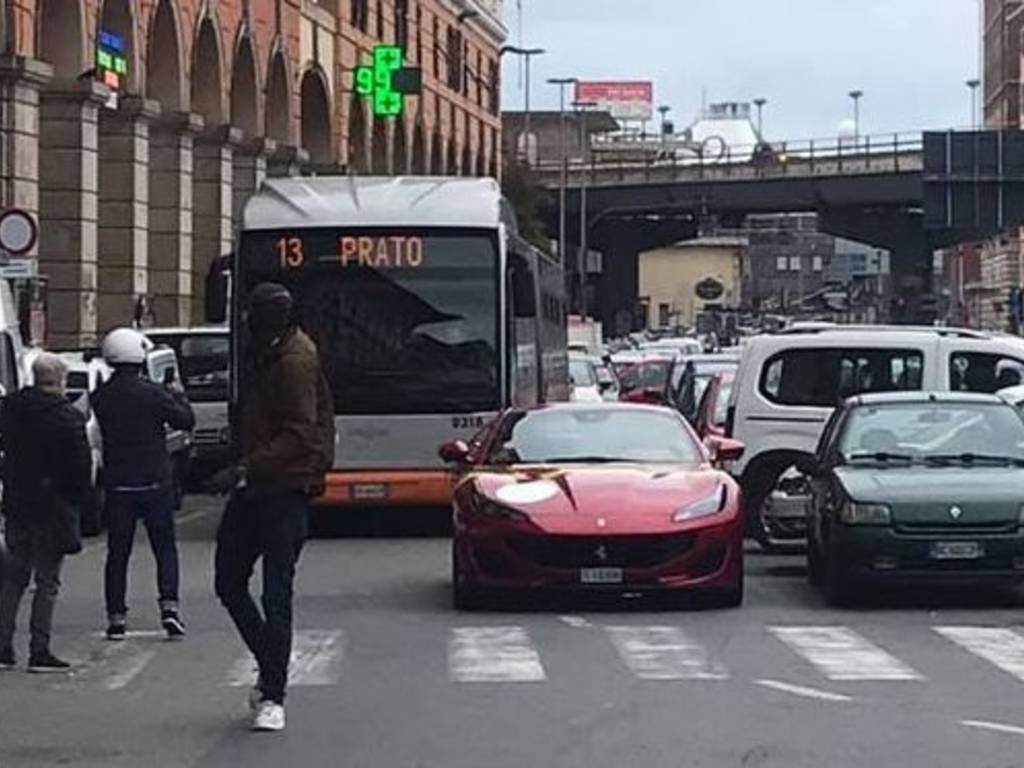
(679, 281)
(136, 193)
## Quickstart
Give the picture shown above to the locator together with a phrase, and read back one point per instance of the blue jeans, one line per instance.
(273, 527)
(123, 510)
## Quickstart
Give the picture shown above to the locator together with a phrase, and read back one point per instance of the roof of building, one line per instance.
(366, 201)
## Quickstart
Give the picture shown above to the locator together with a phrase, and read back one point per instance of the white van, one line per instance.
(13, 366)
(788, 385)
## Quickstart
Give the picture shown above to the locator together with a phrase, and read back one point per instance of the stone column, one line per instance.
(287, 161)
(250, 169)
(212, 205)
(170, 218)
(20, 80)
(123, 261)
(69, 208)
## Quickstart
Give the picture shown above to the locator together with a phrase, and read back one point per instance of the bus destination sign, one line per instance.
(372, 251)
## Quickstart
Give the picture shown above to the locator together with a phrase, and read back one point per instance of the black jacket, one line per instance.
(133, 413)
(44, 442)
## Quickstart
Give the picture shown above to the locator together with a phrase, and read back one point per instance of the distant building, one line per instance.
(788, 259)
(679, 281)
(546, 130)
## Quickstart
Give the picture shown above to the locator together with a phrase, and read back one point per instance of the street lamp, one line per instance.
(526, 54)
(562, 82)
(759, 103)
(663, 110)
(973, 84)
(856, 96)
(581, 108)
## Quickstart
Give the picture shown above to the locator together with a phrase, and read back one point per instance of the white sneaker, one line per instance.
(269, 718)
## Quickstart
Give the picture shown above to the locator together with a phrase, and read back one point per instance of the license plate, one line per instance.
(369, 491)
(601, 575)
(957, 550)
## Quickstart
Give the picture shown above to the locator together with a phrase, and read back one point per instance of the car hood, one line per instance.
(927, 496)
(600, 498)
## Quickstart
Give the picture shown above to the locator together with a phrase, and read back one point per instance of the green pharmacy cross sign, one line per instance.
(387, 82)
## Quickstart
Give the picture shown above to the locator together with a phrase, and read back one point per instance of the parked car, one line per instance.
(204, 354)
(644, 379)
(788, 385)
(713, 408)
(923, 487)
(608, 498)
(86, 371)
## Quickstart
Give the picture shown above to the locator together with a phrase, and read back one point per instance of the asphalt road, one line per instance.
(386, 675)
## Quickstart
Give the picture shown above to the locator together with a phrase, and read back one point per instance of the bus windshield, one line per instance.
(406, 323)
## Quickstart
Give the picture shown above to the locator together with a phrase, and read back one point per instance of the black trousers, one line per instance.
(271, 526)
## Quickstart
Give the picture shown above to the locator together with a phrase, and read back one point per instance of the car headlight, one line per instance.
(1020, 515)
(496, 511)
(706, 507)
(854, 513)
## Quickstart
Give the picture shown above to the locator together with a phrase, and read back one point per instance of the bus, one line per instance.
(430, 312)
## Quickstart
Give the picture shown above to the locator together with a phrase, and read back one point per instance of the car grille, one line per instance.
(931, 529)
(645, 551)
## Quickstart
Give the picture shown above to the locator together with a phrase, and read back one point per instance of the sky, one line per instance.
(911, 58)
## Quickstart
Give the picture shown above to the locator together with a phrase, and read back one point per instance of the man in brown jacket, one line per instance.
(286, 438)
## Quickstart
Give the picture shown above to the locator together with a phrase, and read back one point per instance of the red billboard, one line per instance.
(625, 100)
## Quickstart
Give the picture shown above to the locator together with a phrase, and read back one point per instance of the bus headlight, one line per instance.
(855, 513)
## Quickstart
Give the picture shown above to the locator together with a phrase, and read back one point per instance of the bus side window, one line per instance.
(524, 300)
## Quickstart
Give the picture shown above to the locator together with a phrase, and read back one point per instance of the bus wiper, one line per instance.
(880, 456)
(974, 458)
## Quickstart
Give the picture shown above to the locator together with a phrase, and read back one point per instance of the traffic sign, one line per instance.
(18, 231)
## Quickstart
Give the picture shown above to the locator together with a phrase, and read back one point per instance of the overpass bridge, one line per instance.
(907, 193)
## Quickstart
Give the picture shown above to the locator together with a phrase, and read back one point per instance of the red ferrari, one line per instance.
(607, 497)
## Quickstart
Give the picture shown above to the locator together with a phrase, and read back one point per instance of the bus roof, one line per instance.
(369, 201)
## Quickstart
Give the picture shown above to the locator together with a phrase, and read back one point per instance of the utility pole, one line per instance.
(581, 108)
(759, 103)
(973, 84)
(562, 82)
(526, 54)
(856, 96)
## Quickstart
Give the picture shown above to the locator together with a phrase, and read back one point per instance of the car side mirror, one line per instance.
(723, 449)
(454, 452)
(808, 466)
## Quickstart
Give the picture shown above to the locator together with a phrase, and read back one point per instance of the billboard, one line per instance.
(629, 100)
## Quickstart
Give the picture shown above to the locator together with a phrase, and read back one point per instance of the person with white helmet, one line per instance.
(133, 414)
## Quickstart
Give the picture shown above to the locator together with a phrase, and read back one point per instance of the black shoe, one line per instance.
(7, 660)
(47, 663)
(117, 631)
(172, 625)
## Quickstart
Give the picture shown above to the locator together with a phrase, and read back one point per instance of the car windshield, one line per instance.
(564, 435)
(205, 363)
(941, 431)
(581, 373)
(652, 374)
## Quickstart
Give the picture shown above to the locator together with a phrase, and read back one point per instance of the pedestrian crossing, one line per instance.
(789, 658)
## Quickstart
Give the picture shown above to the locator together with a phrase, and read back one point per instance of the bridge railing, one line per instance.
(613, 162)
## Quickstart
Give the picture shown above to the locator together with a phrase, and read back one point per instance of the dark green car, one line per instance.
(917, 487)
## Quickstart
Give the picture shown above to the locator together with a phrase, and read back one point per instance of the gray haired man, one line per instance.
(46, 472)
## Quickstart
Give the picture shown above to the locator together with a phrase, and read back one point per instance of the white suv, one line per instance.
(788, 385)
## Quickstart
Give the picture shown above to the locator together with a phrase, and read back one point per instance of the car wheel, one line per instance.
(732, 597)
(464, 598)
(756, 494)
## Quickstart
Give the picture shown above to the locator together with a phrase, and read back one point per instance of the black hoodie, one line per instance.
(43, 438)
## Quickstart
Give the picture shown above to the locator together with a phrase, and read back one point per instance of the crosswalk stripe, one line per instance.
(493, 655)
(842, 654)
(128, 669)
(1002, 647)
(664, 653)
(315, 660)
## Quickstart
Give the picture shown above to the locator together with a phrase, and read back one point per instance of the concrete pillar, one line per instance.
(250, 169)
(170, 218)
(20, 80)
(213, 186)
(69, 208)
(123, 260)
(287, 161)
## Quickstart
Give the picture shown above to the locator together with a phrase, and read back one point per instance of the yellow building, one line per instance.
(677, 282)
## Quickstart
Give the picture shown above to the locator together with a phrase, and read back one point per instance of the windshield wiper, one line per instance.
(973, 458)
(584, 460)
(880, 456)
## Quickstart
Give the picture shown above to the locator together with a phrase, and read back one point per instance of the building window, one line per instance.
(419, 36)
(781, 264)
(494, 80)
(817, 264)
(380, 21)
(664, 313)
(402, 24)
(794, 263)
(454, 57)
(361, 14)
(437, 50)
(479, 78)
(466, 72)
